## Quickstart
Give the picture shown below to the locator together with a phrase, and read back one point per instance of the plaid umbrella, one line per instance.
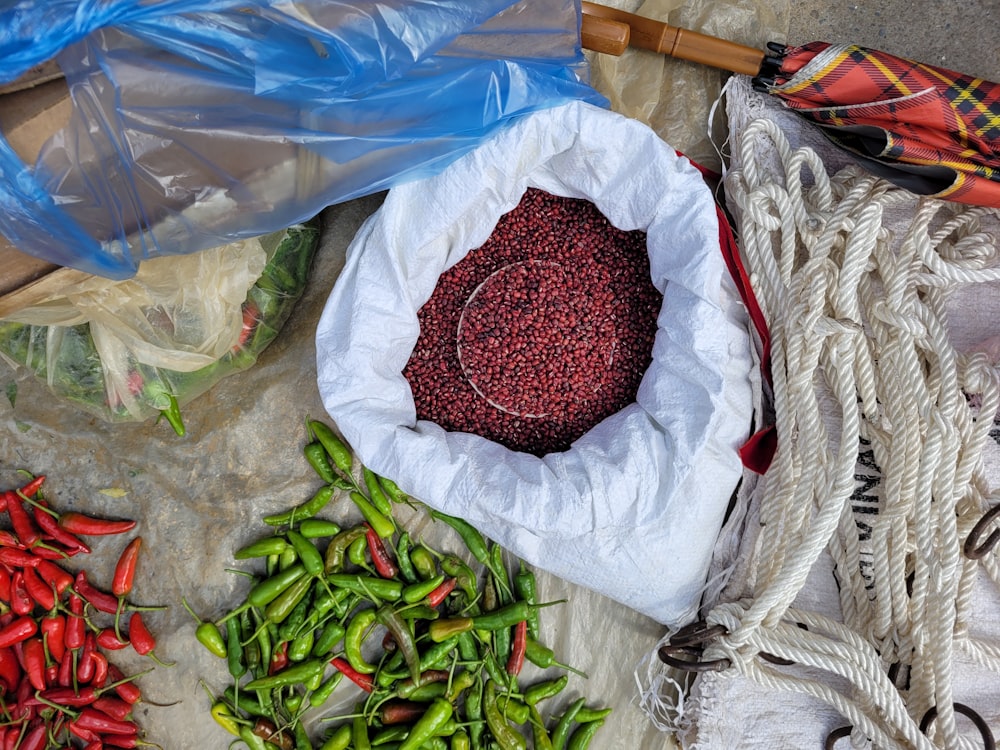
(931, 130)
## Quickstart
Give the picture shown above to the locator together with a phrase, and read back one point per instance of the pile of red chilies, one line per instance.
(57, 686)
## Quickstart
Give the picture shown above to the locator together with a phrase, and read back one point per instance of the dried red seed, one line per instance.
(557, 342)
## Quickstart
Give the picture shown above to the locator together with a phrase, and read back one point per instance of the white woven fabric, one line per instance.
(846, 557)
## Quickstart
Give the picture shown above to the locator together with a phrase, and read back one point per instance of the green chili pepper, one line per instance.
(251, 648)
(327, 599)
(392, 490)
(308, 509)
(330, 636)
(307, 552)
(293, 675)
(322, 694)
(462, 682)
(271, 545)
(302, 741)
(336, 550)
(526, 587)
(581, 737)
(244, 701)
(173, 415)
(425, 693)
(427, 726)
(301, 646)
(319, 459)
(417, 591)
(334, 446)
(406, 571)
(395, 734)
(539, 734)
(339, 739)
(499, 573)
(357, 553)
(369, 586)
(381, 523)
(315, 528)
(543, 656)
(493, 669)
(542, 690)
(465, 578)
(438, 655)
(269, 589)
(467, 649)
(359, 733)
(207, 633)
(460, 741)
(513, 709)
(561, 733)
(224, 718)
(423, 562)
(419, 612)
(234, 649)
(507, 737)
(474, 713)
(440, 630)
(313, 683)
(296, 619)
(375, 492)
(293, 703)
(586, 715)
(357, 630)
(390, 619)
(283, 605)
(288, 558)
(470, 535)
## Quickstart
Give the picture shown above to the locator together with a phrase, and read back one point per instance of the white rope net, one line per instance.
(864, 375)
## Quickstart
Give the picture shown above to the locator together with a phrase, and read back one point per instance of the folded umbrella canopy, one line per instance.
(930, 130)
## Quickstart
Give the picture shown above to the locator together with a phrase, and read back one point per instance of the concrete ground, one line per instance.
(960, 35)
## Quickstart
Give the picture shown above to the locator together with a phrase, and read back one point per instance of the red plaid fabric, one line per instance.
(929, 123)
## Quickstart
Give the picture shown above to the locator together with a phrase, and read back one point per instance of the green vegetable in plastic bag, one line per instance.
(128, 351)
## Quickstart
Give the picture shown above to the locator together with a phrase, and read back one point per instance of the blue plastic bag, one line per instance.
(197, 123)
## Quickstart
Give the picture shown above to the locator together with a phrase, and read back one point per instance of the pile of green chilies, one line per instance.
(433, 649)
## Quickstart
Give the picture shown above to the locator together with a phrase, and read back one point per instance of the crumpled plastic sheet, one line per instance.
(200, 497)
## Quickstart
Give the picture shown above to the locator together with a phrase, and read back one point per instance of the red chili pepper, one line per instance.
(518, 647)
(78, 523)
(124, 576)
(121, 740)
(21, 629)
(109, 640)
(85, 664)
(85, 696)
(84, 734)
(20, 600)
(279, 658)
(7, 539)
(363, 681)
(127, 691)
(439, 594)
(10, 670)
(55, 576)
(4, 585)
(141, 638)
(76, 626)
(100, 723)
(53, 629)
(38, 590)
(24, 527)
(33, 486)
(95, 745)
(34, 662)
(50, 527)
(65, 677)
(116, 708)
(17, 558)
(52, 674)
(35, 739)
(100, 600)
(100, 678)
(385, 566)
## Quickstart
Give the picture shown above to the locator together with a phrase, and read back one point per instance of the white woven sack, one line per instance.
(633, 508)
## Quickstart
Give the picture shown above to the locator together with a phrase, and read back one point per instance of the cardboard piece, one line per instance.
(28, 118)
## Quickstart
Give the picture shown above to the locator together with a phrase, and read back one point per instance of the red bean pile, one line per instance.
(540, 333)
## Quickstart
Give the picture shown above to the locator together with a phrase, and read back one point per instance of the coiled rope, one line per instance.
(861, 361)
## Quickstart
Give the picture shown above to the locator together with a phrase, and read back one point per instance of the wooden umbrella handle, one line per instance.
(683, 44)
(604, 35)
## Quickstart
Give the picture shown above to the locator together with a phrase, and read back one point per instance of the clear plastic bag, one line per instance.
(129, 350)
(196, 124)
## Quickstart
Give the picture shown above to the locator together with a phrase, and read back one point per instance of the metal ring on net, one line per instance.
(972, 547)
(683, 649)
(989, 743)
